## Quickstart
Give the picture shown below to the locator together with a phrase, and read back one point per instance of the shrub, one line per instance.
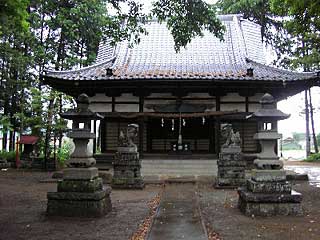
(64, 152)
(9, 156)
(313, 157)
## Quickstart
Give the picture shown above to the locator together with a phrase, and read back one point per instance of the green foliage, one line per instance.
(313, 158)
(9, 156)
(64, 152)
(301, 22)
(188, 19)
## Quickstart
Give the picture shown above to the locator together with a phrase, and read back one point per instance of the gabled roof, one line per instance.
(204, 58)
(28, 139)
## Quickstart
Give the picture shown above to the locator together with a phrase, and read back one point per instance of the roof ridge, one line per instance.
(83, 68)
(248, 60)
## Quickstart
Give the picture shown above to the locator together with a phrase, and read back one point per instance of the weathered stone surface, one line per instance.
(231, 174)
(84, 208)
(231, 170)
(127, 171)
(233, 163)
(268, 175)
(79, 196)
(269, 209)
(293, 197)
(231, 149)
(88, 186)
(269, 187)
(230, 156)
(232, 182)
(80, 173)
(265, 164)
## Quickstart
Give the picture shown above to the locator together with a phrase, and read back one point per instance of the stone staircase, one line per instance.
(179, 167)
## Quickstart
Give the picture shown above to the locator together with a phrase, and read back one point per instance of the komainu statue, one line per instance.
(230, 138)
(127, 140)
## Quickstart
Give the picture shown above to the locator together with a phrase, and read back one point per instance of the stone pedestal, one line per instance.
(268, 193)
(127, 169)
(80, 194)
(231, 168)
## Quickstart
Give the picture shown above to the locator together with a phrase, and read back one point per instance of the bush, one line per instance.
(313, 157)
(9, 156)
(63, 153)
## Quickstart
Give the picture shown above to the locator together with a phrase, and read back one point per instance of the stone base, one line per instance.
(127, 183)
(269, 187)
(79, 198)
(80, 173)
(230, 182)
(231, 169)
(262, 204)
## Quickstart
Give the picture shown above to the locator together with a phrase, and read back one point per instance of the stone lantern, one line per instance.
(267, 192)
(81, 192)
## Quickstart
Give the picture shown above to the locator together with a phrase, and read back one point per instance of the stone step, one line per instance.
(179, 167)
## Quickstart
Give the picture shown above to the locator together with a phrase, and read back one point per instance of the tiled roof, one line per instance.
(204, 58)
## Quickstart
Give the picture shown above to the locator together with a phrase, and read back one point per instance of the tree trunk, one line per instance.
(312, 124)
(307, 123)
(48, 133)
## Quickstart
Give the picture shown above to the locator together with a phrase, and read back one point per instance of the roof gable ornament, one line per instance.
(109, 72)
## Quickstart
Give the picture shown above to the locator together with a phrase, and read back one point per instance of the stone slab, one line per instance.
(127, 150)
(268, 175)
(269, 187)
(231, 156)
(268, 164)
(231, 149)
(80, 162)
(231, 174)
(86, 208)
(80, 173)
(233, 182)
(248, 196)
(88, 186)
(269, 209)
(227, 163)
(79, 196)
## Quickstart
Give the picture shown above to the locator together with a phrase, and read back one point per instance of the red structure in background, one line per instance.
(28, 141)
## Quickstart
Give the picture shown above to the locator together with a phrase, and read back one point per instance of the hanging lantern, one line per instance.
(172, 127)
(162, 122)
(203, 120)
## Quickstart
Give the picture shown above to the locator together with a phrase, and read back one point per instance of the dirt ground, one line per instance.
(219, 209)
(23, 205)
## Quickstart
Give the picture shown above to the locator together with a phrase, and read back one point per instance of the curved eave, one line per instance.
(279, 89)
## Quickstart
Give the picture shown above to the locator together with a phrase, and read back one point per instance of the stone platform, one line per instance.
(252, 204)
(231, 169)
(127, 171)
(80, 194)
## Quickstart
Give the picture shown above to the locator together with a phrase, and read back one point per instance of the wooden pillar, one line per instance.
(141, 134)
(211, 134)
(141, 127)
(95, 134)
(103, 139)
(217, 135)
